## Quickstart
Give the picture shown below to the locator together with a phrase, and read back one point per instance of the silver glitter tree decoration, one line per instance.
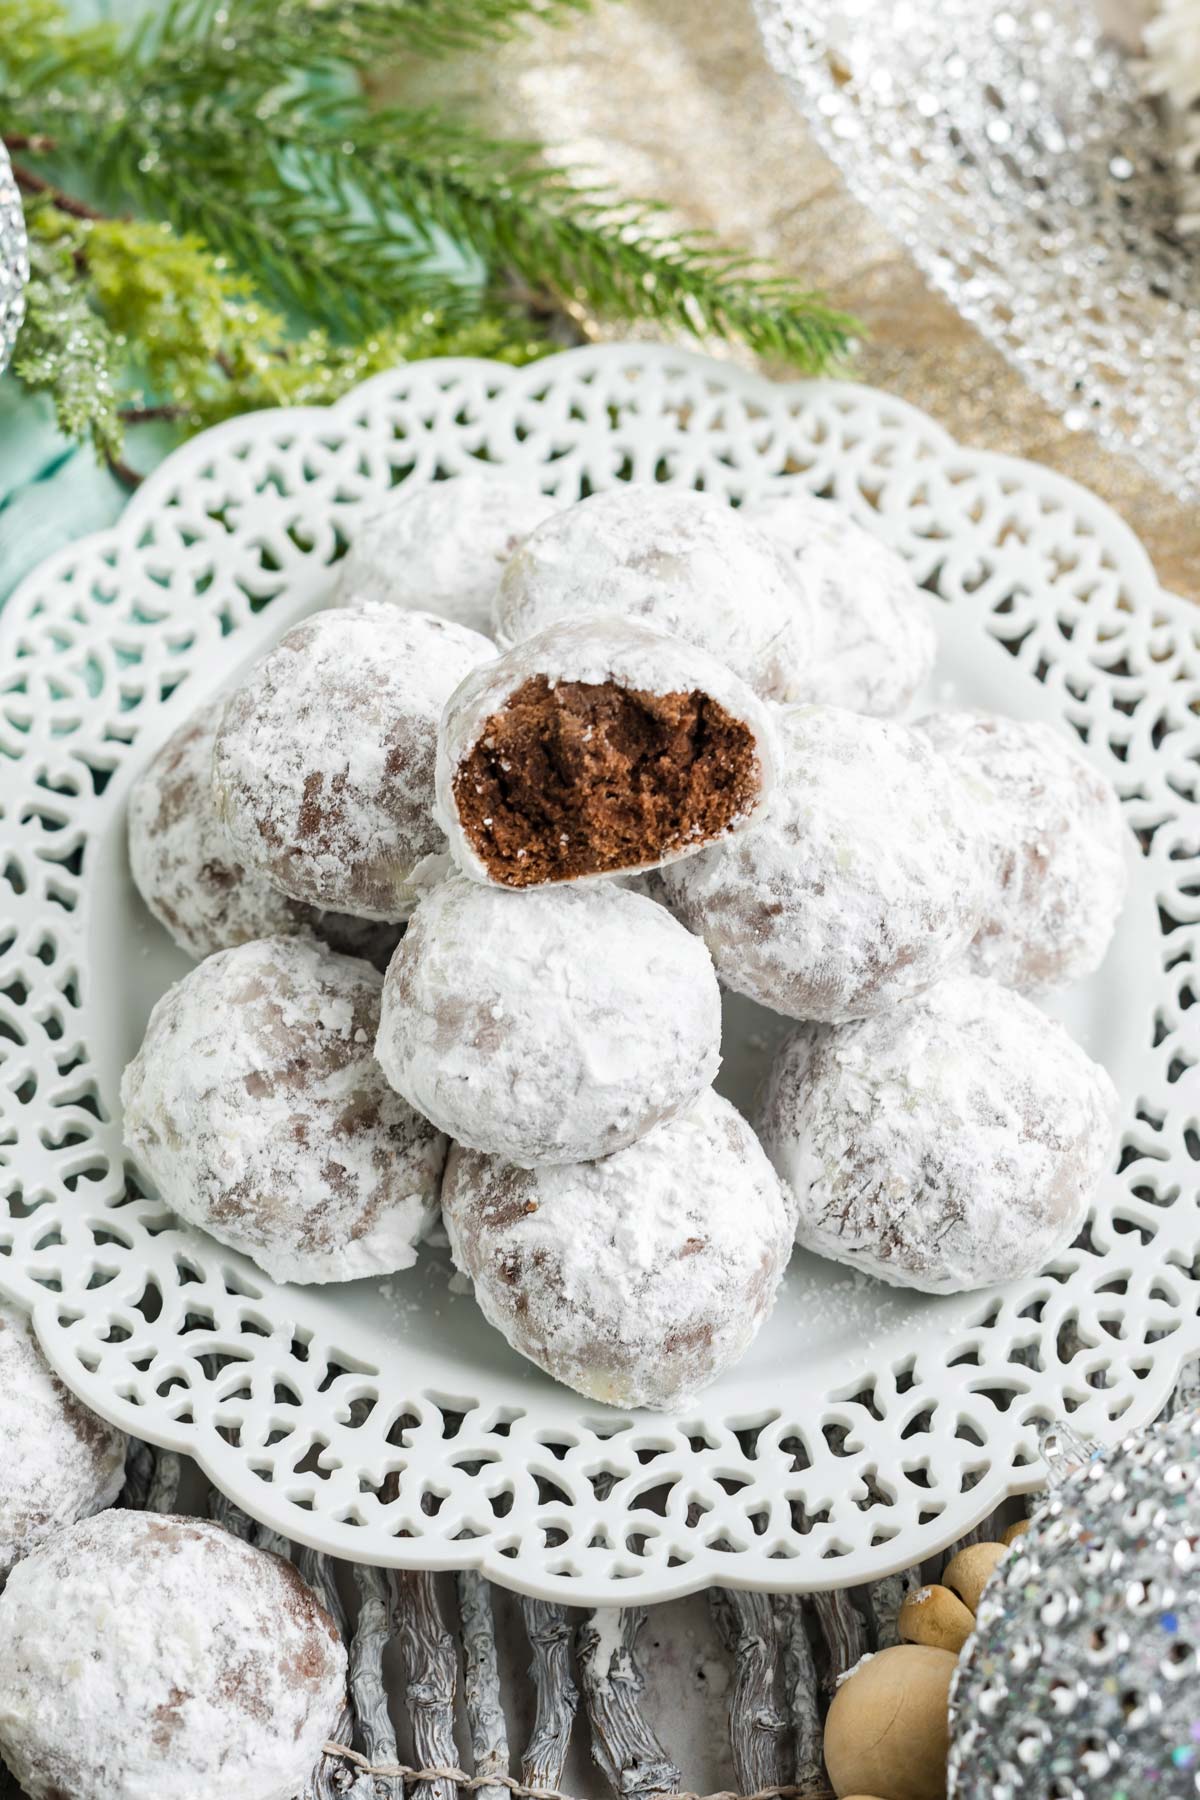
(1081, 1680)
(14, 260)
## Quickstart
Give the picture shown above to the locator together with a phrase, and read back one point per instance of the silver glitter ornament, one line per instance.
(1008, 146)
(1081, 1680)
(14, 260)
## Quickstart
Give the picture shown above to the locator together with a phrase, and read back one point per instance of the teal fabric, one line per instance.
(51, 491)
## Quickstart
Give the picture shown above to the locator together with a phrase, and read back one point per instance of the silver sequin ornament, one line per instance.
(14, 260)
(1008, 145)
(1081, 1680)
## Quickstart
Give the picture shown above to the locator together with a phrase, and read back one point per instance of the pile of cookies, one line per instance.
(141, 1653)
(468, 857)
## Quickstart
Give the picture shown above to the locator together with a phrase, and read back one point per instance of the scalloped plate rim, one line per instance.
(227, 1469)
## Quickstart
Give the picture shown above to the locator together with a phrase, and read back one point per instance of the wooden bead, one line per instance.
(935, 1616)
(967, 1574)
(888, 1727)
(1015, 1531)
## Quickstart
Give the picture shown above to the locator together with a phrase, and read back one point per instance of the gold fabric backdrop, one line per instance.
(674, 98)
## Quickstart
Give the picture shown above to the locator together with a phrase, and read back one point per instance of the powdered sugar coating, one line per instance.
(185, 869)
(873, 639)
(682, 562)
(860, 885)
(324, 760)
(552, 1026)
(635, 1280)
(257, 1109)
(592, 650)
(951, 1143)
(648, 883)
(60, 1461)
(143, 1655)
(441, 546)
(1058, 845)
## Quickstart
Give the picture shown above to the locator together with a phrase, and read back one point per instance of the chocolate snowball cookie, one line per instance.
(1057, 843)
(635, 1280)
(873, 640)
(594, 748)
(682, 562)
(441, 546)
(548, 1027)
(144, 1654)
(258, 1111)
(324, 760)
(60, 1461)
(862, 883)
(185, 869)
(950, 1143)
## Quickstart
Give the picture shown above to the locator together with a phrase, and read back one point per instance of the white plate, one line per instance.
(384, 1420)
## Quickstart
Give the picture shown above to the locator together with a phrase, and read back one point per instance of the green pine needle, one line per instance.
(298, 33)
(40, 49)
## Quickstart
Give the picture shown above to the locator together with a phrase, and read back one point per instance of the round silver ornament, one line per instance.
(1080, 1682)
(14, 260)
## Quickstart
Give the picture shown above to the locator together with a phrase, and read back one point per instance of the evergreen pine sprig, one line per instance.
(299, 33)
(125, 304)
(616, 257)
(242, 124)
(65, 346)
